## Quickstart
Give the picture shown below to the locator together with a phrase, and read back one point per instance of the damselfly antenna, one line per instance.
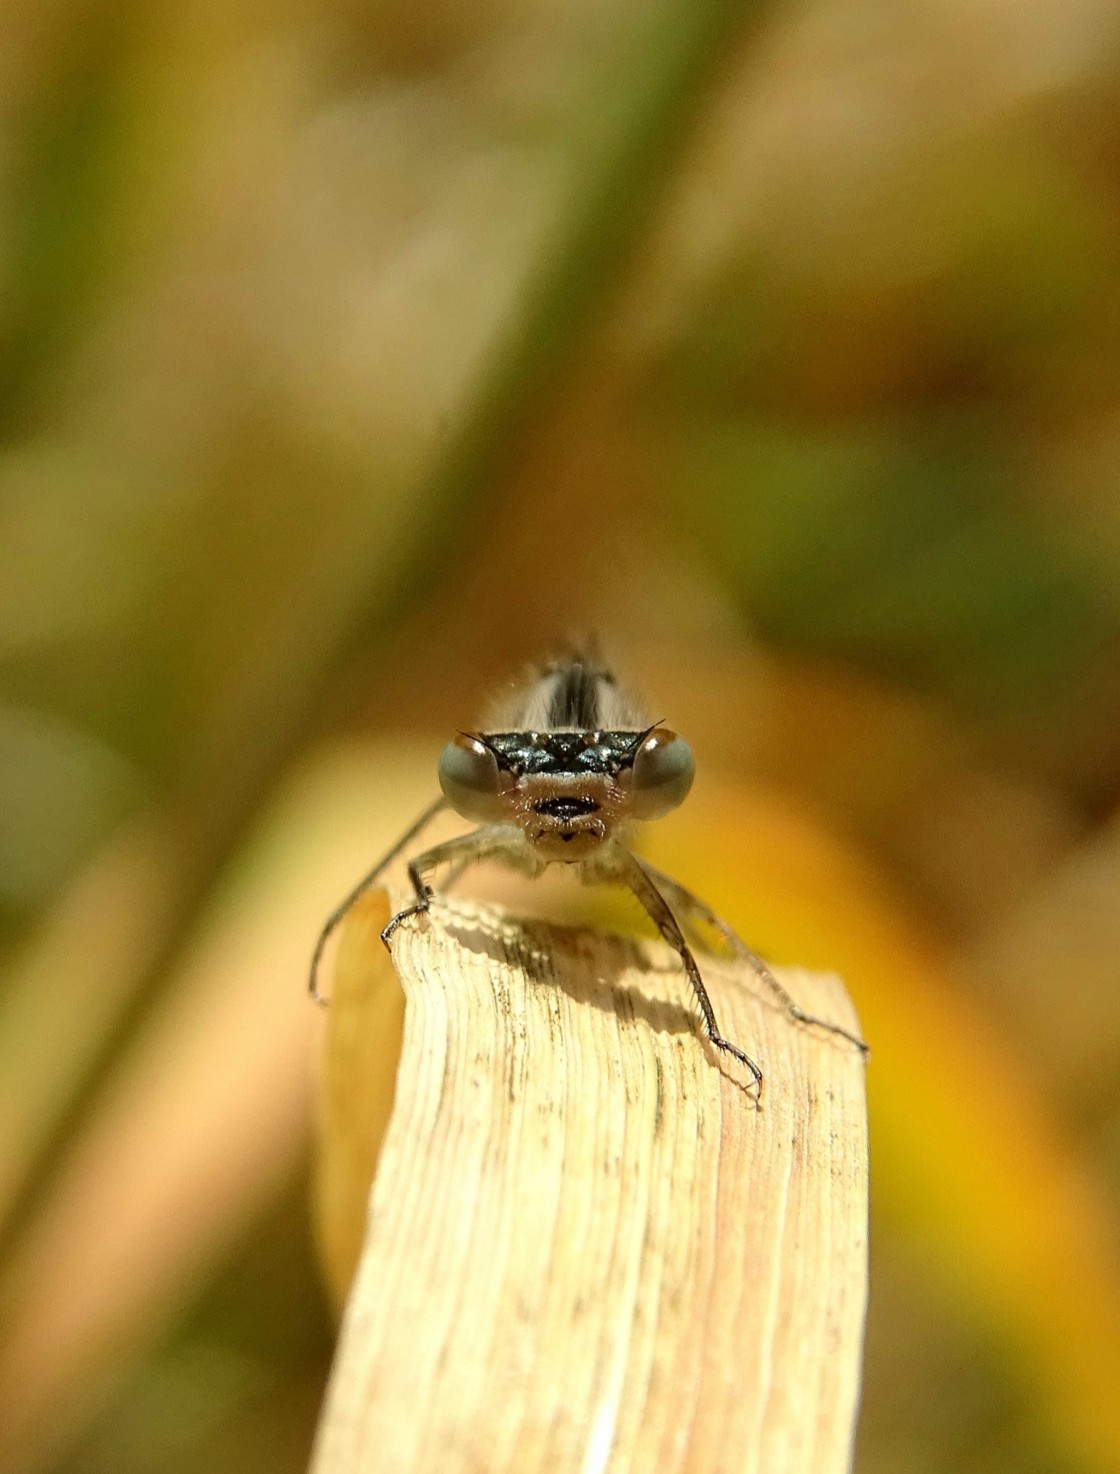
(560, 776)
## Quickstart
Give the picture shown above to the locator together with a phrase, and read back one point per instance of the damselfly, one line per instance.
(561, 776)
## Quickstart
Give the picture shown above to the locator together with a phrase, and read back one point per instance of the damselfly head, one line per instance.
(569, 782)
(555, 777)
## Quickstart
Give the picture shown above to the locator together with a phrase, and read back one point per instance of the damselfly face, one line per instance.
(569, 767)
(556, 777)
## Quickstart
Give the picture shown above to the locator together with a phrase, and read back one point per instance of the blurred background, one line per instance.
(352, 356)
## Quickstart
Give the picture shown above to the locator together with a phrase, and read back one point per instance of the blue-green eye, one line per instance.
(470, 779)
(661, 776)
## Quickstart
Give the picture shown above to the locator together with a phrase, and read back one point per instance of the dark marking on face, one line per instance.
(562, 753)
(572, 807)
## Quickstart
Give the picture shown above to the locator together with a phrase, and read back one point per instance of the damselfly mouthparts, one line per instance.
(561, 777)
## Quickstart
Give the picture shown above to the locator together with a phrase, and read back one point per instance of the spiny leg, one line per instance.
(689, 903)
(464, 850)
(367, 881)
(634, 874)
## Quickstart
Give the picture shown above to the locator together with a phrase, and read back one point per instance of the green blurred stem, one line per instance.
(621, 154)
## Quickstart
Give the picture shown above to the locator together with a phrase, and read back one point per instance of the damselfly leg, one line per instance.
(641, 881)
(691, 906)
(370, 879)
(467, 849)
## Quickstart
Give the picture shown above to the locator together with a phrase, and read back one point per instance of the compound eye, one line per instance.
(470, 779)
(661, 776)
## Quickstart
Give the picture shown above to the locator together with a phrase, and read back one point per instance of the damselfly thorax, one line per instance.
(560, 774)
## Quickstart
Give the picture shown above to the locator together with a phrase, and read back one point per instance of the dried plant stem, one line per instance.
(586, 1249)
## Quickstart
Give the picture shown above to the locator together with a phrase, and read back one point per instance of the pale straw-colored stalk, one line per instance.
(585, 1248)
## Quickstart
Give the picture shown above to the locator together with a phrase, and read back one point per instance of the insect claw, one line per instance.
(414, 910)
(744, 1059)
